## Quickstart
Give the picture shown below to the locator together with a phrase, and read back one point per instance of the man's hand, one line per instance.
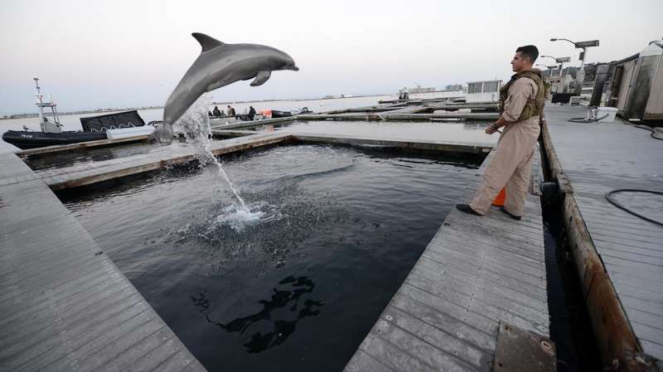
(491, 129)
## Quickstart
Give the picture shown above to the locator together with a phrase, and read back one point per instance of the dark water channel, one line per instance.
(297, 290)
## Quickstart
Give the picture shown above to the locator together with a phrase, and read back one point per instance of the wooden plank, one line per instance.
(521, 351)
(431, 314)
(441, 340)
(420, 349)
(493, 307)
(50, 150)
(59, 297)
(462, 281)
(474, 273)
(609, 242)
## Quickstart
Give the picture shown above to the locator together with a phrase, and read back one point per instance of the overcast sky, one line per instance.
(96, 54)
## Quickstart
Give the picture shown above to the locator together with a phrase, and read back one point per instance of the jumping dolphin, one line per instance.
(218, 65)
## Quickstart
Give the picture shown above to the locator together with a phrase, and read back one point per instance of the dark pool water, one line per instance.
(297, 290)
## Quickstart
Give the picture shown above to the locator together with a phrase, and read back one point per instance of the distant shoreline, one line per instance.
(101, 111)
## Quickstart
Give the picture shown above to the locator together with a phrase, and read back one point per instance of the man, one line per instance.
(216, 112)
(231, 111)
(521, 105)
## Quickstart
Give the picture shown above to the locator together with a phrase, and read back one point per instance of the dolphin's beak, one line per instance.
(294, 68)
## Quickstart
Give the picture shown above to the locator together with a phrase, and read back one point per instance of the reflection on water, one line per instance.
(279, 327)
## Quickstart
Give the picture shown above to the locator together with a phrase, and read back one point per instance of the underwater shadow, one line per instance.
(281, 298)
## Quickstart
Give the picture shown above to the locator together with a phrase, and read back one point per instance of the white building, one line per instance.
(483, 91)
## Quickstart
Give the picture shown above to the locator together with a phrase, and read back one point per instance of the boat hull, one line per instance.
(30, 140)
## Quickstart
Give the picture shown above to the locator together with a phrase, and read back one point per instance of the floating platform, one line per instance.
(478, 277)
(619, 257)
(479, 285)
(94, 172)
(65, 305)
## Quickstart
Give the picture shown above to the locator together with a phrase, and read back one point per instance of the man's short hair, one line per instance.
(529, 51)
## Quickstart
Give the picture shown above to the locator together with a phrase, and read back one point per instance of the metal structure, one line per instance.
(580, 76)
(637, 84)
(46, 125)
(560, 61)
(599, 84)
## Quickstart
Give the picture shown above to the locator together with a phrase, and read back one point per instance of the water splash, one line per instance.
(238, 219)
(195, 125)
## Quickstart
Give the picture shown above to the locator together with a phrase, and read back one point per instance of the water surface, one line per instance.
(300, 288)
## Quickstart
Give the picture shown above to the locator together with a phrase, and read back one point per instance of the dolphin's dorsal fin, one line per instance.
(207, 42)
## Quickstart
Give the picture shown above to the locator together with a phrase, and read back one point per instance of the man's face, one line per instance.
(520, 63)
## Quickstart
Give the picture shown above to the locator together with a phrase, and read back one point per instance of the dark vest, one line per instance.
(533, 107)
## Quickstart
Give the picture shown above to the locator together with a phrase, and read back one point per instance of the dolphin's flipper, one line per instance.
(207, 42)
(261, 78)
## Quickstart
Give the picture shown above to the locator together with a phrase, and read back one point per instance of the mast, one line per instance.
(40, 103)
(46, 125)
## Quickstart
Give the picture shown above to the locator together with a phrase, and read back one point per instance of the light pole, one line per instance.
(580, 76)
(560, 61)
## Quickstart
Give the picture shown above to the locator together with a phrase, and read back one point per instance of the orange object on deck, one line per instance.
(501, 198)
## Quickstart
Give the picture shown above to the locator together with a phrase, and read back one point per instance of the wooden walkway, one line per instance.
(93, 172)
(64, 305)
(598, 158)
(474, 274)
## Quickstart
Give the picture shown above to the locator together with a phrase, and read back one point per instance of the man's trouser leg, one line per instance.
(502, 165)
(516, 187)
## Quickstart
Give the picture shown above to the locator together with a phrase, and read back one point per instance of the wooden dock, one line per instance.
(416, 111)
(65, 305)
(619, 256)
(94, 172)
(476, 274)
(479, 279)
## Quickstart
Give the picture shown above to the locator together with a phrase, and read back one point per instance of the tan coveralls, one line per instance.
(512, 160)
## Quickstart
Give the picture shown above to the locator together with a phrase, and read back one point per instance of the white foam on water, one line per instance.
(195, 125)
(238, 219)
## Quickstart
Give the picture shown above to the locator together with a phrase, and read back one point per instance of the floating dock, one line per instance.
(619, 256)
(65, 305)
(478, 278)
(93, 172)
(475, 301)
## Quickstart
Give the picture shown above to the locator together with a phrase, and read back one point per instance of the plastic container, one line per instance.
(603, 111)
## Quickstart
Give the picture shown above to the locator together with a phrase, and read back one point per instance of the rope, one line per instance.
(618, 205)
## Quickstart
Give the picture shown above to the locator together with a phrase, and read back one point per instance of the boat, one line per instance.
(280, 114)
(24, 139)
(274, 114)
(110, 126)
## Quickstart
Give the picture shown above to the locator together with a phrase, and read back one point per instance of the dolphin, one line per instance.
(220, 64)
